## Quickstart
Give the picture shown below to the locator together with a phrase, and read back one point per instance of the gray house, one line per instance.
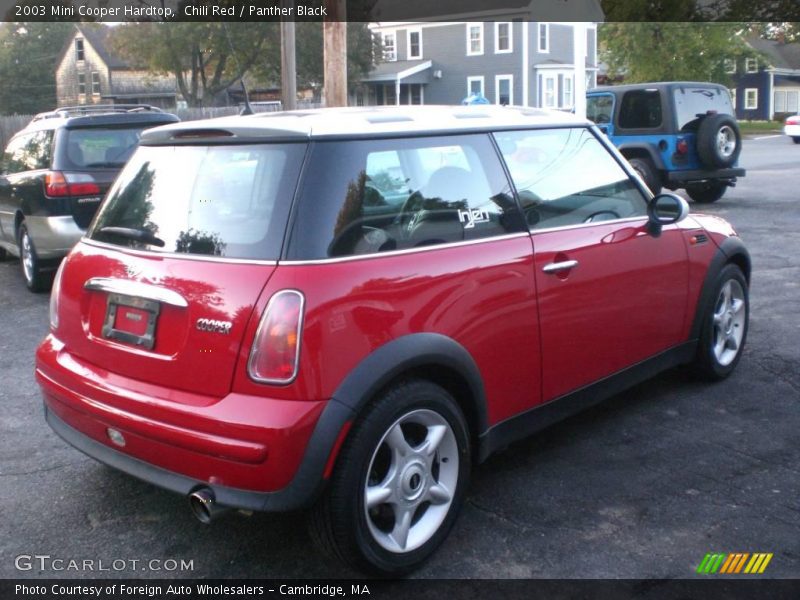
(89, 72)
(512, 61)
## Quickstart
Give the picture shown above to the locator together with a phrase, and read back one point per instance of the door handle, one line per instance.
(557, 267)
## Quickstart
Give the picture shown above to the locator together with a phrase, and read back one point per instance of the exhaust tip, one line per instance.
(202, 504)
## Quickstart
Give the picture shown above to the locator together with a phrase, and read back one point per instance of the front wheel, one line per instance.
(399, 482)
(725, 323)
(706, 193)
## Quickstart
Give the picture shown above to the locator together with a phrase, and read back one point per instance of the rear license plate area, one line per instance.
(131, 320)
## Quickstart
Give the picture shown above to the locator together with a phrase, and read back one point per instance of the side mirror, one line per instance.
(665, 209)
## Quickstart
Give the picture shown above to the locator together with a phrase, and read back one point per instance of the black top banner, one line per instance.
(401, 10)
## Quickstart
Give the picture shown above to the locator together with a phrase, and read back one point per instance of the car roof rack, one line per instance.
(94, 109)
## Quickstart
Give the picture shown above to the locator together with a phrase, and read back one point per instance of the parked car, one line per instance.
(54, 174)
(347, 309)
(674, 134)
(792, 128)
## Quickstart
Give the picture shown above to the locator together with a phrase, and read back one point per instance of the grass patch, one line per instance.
(754, 127)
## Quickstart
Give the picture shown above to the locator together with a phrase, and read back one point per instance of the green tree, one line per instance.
(672, 51)
(28, 55)
(206, 58)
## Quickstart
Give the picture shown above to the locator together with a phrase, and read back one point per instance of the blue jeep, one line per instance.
(674, 134)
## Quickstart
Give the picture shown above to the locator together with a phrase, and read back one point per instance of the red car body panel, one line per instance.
(624, 301)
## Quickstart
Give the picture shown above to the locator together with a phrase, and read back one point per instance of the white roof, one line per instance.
(365, 121)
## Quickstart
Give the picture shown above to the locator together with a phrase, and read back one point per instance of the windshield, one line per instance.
(229, 201)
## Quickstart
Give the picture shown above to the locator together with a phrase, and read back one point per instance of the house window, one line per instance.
(95, 83)
(474, 39)
(751, 65)
(733, 97)
(390, 46)
(567, 92)
(504, 89)
(792, 100)
(750, 98)
(79, 55)
(544, 37)
(549, 90)
(730, 65)
(415, 93)
(475, 85)
(503, 41)
(81, 84)
(414, 43)
(779, 101)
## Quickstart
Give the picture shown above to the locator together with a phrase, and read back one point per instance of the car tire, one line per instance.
(719, 141)
(35, 277)
(724, 327)
(796, 139)
(645, 168)
(416, 491)
(706, 193)
(3, 254)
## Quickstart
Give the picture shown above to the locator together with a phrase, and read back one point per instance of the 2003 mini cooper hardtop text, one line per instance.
(346, 309)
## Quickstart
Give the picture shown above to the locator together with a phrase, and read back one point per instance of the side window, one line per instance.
(374, 196)
(600, 108)
(640, 109)
(567, 177)
(28, 152)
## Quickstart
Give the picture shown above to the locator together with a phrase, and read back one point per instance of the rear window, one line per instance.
(97, 148)
(691, 103)
(227, 201)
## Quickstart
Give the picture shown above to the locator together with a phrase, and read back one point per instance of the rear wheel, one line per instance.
(36, 279)
(399, 482)
(645, 168)
(796, 139)
(706, 193)
(725, 323)
(3, 254)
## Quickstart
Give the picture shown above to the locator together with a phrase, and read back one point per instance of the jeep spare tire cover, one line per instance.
(718, 141)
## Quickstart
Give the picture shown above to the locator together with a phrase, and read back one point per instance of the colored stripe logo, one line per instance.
(734, 563)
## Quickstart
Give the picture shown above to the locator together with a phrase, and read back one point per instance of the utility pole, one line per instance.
(288, 62)
(335, 54)
(579, 62)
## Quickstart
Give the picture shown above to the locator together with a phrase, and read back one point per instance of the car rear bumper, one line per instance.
(698, 175)
(254, 453)
(53, 237)
(792, 130)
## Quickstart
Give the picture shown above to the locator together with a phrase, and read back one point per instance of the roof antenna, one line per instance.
(246, 109)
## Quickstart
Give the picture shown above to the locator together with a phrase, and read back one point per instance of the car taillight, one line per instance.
(55, 293)
(793, 121)
(59, 185)
(274, 357)
(682, 147)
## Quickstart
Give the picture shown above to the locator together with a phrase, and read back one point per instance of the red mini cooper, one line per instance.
(346, 309)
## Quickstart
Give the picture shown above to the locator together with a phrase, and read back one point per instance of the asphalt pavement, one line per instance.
(641, 487)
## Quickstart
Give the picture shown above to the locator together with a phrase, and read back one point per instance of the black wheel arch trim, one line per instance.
(655, 157)
(730, 250)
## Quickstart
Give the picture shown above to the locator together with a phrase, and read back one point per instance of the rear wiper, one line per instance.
(141, 235)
